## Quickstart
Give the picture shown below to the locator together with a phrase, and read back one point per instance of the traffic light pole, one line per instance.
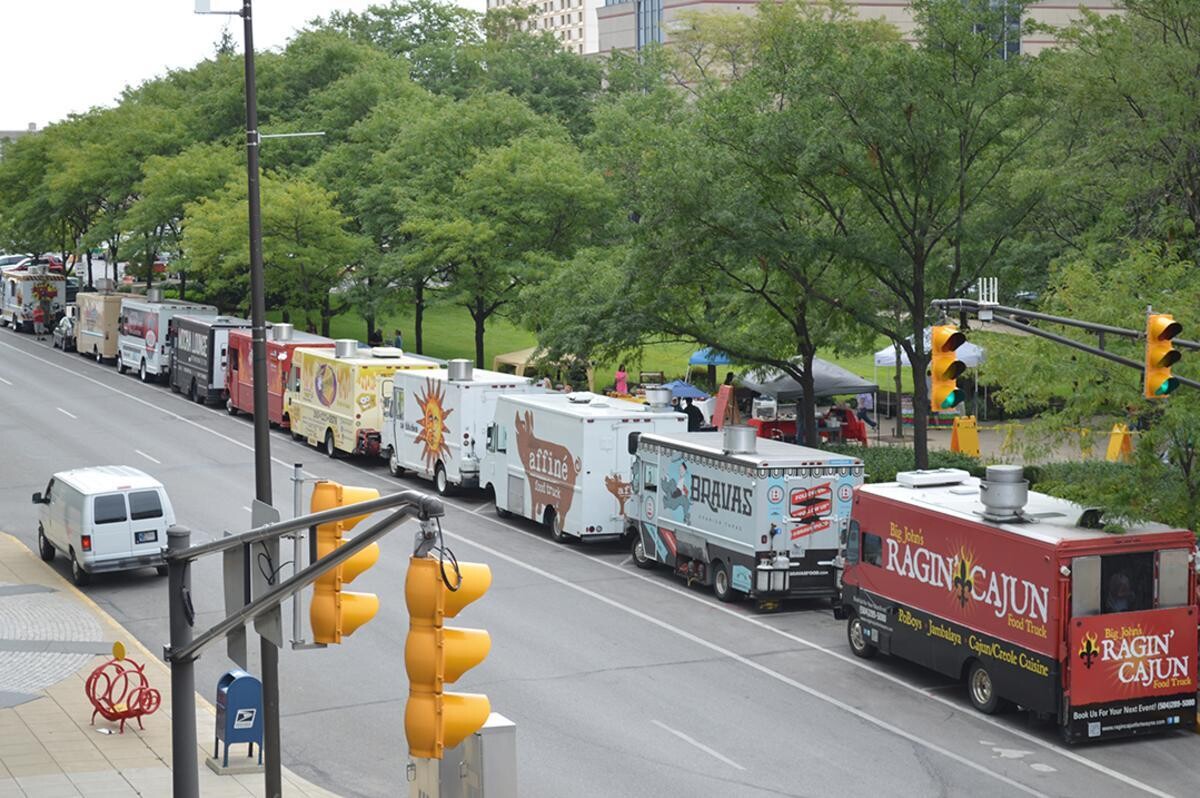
(979, 308)
(183, 649)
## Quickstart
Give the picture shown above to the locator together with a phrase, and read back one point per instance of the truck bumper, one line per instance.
(124, 563)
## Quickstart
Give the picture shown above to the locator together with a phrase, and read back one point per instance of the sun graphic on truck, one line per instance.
(432, 422)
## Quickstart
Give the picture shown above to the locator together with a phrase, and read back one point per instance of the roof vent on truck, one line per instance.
(345, 347)
(386, 351)
(658, 397)
(737, 439)
(580, 398)
(932, 477)
(1004, 492)
(154, 295)
(460, 370)
(282, 331)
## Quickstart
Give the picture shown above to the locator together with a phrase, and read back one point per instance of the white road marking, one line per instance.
(247, 509)
(749, 663)
(148, 457)
(6, 382)
(627, 560)
(698, 744)
(1042, 768)
(846, 659)
(66, 413)
(660, 584)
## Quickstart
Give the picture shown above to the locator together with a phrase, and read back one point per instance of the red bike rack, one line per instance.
(119, 690)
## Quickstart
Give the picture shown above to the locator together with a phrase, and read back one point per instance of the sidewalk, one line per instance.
(51, 637)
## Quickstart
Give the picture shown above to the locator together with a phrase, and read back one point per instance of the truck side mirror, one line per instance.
(37, 498)
(633, 441)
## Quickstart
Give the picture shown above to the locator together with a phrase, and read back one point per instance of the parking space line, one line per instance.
(698, 744)
(67, 413)
(6, 382)
(148, 457)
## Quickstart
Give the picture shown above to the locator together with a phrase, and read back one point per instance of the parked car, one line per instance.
(9, 261)
(104, 518)
(64, 331)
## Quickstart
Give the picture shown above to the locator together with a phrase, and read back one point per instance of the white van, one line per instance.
(104, 518)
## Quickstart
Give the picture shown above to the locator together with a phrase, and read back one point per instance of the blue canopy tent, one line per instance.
(710, 359)
(683, 390)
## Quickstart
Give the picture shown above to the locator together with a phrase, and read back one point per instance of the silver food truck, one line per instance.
(751, 517)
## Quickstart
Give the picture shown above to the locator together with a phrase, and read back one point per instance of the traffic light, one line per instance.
(945, 368)
(434, 655)
(1160, 355)
(336, 612)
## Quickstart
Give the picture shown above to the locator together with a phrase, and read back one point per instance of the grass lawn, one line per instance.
(449, 333)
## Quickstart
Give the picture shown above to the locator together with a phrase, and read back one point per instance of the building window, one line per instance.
(649, 14)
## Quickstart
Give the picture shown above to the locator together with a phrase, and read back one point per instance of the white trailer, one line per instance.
(435, 422)
(749, 516)
(143, 332)
(563, 459)
(23, 289)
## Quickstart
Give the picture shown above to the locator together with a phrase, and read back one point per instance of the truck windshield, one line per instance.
(1127, 581)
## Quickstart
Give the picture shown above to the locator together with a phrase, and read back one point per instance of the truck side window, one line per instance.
(651, 478)
(398, 403)
(1085, 586)
(1127, 581)
(501, 438)
(853, 540)
(46, 495)
(109, 509)
(295, 383)
(233, 360)
(144, 504)
(872, 549)
(1173, 578)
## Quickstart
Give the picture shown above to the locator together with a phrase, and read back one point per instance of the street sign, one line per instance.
(237, 595)
(264, 572)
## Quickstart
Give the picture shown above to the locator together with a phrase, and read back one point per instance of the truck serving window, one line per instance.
(872, 549)
(144, 504)
(1127, 581)
(651, 477)
(109, 509)
(1173, 578)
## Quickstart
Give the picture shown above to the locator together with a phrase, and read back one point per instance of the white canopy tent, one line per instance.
(970, 354)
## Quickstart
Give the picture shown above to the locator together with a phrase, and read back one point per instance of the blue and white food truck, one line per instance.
(750, 516)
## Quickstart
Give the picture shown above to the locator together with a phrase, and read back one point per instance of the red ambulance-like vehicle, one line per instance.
(282, 340)
(1031, 600)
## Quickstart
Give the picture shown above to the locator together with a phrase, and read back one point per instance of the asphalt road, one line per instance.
(622, 682)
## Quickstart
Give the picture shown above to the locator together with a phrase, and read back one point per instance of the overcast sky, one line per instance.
(65, 56)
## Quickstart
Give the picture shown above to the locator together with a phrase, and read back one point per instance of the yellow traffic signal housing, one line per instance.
(1160, 355)
(434, 655)
(945, 368)
(335, 612)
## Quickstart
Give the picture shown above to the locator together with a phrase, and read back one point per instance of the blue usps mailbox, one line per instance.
(239, 713)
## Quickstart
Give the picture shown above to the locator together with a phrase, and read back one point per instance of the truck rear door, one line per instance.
(110, 536)
(146, 521)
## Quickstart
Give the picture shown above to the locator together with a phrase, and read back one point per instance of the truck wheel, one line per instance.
(554, 524)
(500, 511)
(200, 397)
(161, 570)
(230, 408)
(394, 467)
(121, 367)
(79, 576)
(45, 547)
(857, 635)
(330, 446)
(191, 389)
(721, 585)
(99, 359)
(639, 552)
(441, 482)
(142, 375)
(981, 689)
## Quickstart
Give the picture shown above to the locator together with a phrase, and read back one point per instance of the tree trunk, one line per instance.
(419, 315)
(920, 363)
(899, 389)
(89, 260)
(808, 402)
(480, 317)
(370, 327)
(182, 285)
(326, 313)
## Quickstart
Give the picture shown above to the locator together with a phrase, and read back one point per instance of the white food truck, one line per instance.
(750, 516)
(25, 288)
(563, 459)
(435, 422)
(142, 333)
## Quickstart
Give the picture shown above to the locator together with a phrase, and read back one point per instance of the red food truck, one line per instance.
(282, 340)
(1032, 600)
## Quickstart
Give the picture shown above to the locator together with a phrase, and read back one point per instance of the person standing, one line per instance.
(866, 408)
(622, 380)
(39, 321)
(398, 341)
(695, 417)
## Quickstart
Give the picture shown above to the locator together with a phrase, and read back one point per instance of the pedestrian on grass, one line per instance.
(622, 380)
(398, 341)
(39, 321)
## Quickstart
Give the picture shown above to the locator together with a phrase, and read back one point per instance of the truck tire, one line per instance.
(200, 397)
(161, 570)
(638, 550)
(121, 367)
(860, 646)
(330, 445)
(722, 587)
(143, 375)
(45, 547)
(99, 359)
(191, 394)
(981, 689)
(500, 511)
(230, 408)
(394, 467)
(554, 524)
(441, 482)
(79, 577)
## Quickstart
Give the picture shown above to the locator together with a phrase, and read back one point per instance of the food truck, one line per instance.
(334, 397)
(199, 354)
(435, 422)
(563, 460)
(749, 516)
(1032, 600)
(143, 332)
(282, 341)
(24, 288)
(97, 321)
